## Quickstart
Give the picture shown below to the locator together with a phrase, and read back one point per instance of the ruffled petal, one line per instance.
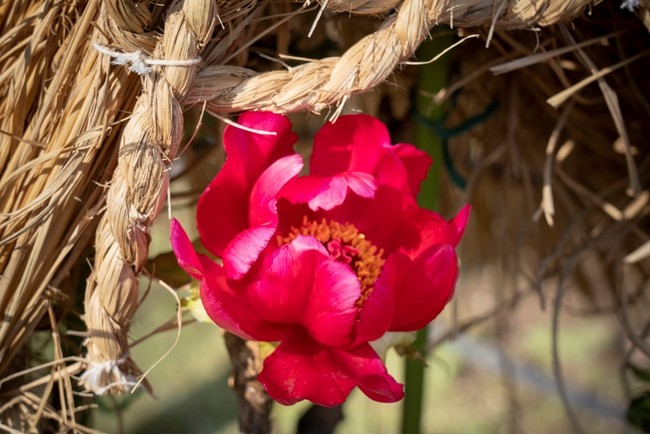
(416, 163)
(458, 224)
(378, 218)
(303, 243)
(184, 251)
(226, 307)
(328, 192)
(331, 312)
(229, 309)
(360, 183)
(423, 287)
(244, 250)
(421, 228)
(282, 292)
(377, 312)
(263, 196)
(364, 363)
(362, 143)
(382, 388)
(301, 369)
(222, 211)
(352, 143)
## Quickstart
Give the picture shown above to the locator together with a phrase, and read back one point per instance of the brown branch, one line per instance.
(254, 402)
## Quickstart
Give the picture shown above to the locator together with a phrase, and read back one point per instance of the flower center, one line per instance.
(344, 243)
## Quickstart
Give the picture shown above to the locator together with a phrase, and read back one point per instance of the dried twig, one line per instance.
(254, 403)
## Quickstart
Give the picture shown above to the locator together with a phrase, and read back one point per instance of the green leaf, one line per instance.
(191, 301)
(638, 413)
(166, 268)
(642, 374)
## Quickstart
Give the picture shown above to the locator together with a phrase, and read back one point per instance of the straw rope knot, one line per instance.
(148, 144)
(138, 62)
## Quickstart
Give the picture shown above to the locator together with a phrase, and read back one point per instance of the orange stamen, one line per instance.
(345, 243)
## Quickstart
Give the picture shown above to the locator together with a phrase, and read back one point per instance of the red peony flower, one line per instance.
(324, 263)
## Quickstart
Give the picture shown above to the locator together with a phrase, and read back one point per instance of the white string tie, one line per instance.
(138, 62)
(630, 5)
(95, 376)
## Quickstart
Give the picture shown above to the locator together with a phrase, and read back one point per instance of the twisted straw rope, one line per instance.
(149, 142)
(329, 82)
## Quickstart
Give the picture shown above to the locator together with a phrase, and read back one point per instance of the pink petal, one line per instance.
(360, 183)
(361, 143)
(458, 224)
(282, 293)
(263, 196)
(244, 250)
(390, 171)
(229, 309)
(225, 307)
(184, 251)
(214, 300)
(382, 388)
(314, 191)
(331, 313)
(245, 247)
(416, 162)
(328, 192)
(352, 143)
(422, 228)
(303, 243)
(427, 284)
(301, 369)
(254, 151)
(222, 211)
(377, 312)
(375, 381)
(379, 218)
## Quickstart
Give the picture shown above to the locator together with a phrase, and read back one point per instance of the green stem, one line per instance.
(431, 78)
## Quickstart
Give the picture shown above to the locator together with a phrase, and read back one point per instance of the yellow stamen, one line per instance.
(345, 243)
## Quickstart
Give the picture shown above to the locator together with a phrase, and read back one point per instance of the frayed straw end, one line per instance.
(110, 377)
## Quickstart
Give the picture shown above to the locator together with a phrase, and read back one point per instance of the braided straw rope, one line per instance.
(137, 192)
(319, 84)
(151, 137)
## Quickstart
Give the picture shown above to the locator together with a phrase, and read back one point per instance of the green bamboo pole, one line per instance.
(431, 78)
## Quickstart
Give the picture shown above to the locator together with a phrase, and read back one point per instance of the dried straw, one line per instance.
(61, 133)
(583, 167)
(57, 107)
